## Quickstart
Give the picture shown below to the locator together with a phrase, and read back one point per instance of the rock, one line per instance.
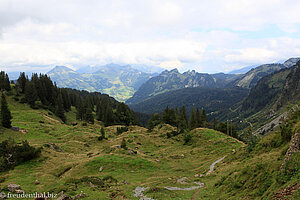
(101, 169)
(37, 182)
(131, 151)
(201, 175)
(125, 182)
(233, 150)
(182, 180)
(196, 175)
(157, 160)
(79, 196)
(293, 148)
(64, 197)
(13, 187)
(15, 128)
(19, 191)
(92, 185)
(86, 145)
(2, 196)
(182, 155)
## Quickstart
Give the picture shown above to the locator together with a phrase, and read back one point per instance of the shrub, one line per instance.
(123, 144)
(121, 130)
(187, 138)
(12, 154)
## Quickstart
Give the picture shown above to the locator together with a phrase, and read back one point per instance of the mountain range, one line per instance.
(118, 81)
(173, 80)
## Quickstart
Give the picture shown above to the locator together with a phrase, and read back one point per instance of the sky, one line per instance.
(205, 35)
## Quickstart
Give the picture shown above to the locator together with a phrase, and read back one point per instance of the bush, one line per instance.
(121, 130)
(123, 144)
(187, 138)
(12, 154)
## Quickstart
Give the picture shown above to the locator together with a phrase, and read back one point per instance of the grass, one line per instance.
(159, 162)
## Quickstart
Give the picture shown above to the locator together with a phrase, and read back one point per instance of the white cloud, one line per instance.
(205, 35)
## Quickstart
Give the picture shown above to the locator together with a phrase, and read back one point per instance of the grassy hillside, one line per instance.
(72, 156)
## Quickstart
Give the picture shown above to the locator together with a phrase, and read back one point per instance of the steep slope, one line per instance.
(250, 79)
(211, 99)
(172, 80)
(118, 81)
(267, 101)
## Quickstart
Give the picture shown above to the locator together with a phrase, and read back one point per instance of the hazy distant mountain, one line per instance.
(147, 68)
(250, 79)
(118, 81)
(291, 62)
(242, 70)
(172, 80)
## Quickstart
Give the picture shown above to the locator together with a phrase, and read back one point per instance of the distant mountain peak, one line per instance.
(60, 68)
(290, 62)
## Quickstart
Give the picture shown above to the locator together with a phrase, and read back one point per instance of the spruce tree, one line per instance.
(30, 93)
(198, 117)
(22, 81)
(154, 121)
(166, 115)
(182, 123)
(203, 118)
(193, 120)
(59, 111)
(5, 113)
(215, 123)
(89, 117)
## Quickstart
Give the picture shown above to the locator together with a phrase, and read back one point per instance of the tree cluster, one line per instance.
(179, 119)
(89, 106)
(4, 82)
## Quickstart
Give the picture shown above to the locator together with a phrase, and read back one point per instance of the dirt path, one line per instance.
(212, 166)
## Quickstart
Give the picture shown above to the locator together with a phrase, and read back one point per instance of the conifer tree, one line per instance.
(30, 93)
(79, 108)
(4, 81)
(154, 121)
(193, 120)
(203, 118)
(198, 117)
(214, 123)
(5, 113)
(166, 115)
(182, 123)
(59, 111)
(89, 117)
(22, 81)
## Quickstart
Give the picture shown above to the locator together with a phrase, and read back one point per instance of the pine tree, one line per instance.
(193, 120)
(182, 123)
(154, 121)
(89, 117)
(215, 123)
(5, 113)
(59, 111)
(166, 115)
(203, 118)
(22, 81)
(30, 93)
(198, 117)
(4, 81)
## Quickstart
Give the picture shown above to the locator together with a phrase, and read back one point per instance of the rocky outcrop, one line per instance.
(294, 148)
(13, 187)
